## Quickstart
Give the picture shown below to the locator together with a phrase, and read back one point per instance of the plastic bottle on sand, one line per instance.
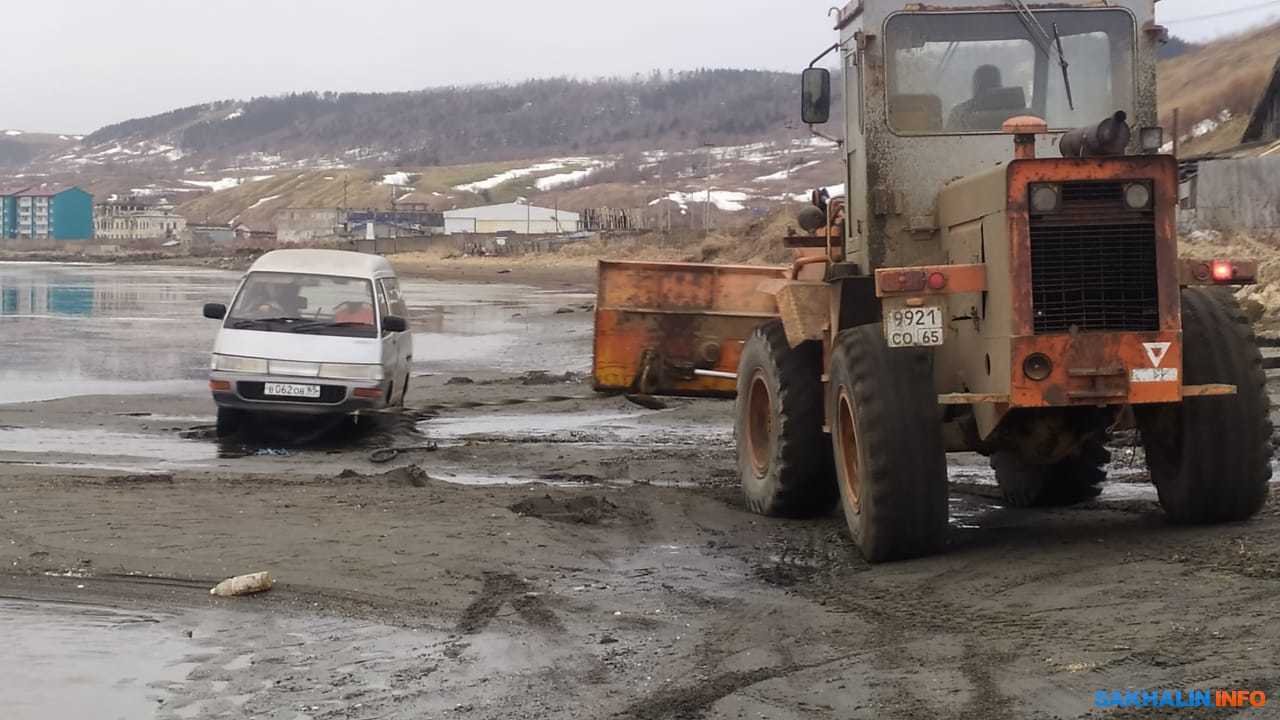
(243, 585)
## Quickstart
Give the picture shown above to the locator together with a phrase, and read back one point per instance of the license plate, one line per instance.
(913, 326)
(310, 392)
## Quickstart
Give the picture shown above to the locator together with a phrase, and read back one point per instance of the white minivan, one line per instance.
(311, 332)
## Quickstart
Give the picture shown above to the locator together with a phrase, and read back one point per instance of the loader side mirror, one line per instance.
(815, 96)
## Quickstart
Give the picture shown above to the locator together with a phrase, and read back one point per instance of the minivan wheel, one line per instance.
(230, 420)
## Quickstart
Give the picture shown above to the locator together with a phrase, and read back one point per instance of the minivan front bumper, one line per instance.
(337, 397)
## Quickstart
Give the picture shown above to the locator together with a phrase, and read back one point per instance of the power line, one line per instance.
(1224, 13)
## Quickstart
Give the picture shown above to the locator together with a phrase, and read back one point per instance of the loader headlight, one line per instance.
(1137, 196)
(237, 364)
(1044, 198)
(340, 371)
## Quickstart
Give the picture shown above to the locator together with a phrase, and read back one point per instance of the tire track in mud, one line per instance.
(506, 589)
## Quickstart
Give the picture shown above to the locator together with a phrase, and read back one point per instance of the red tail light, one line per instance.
(937, 281)
(1223, 271)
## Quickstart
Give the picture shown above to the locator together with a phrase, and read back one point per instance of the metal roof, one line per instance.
(45, 190)
(324, 262)
(513, 212)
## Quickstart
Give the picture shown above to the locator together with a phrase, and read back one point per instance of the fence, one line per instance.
(1234, 194)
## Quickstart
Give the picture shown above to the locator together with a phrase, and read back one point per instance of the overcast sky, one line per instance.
(75, 65)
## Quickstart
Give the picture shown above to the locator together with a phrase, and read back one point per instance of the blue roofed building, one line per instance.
(45, 212)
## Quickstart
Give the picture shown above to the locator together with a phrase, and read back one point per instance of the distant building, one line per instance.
(135, 219)
(514, 218)
(306, 225)
(212, 234)
(396, 222)
(46, 212)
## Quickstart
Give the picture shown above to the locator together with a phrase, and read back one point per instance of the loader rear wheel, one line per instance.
(1067, 482)
(784, 458)
(1210, 458)
(891, 465)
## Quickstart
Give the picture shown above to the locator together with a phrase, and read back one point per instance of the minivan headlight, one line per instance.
(342, 371)
(237, 364)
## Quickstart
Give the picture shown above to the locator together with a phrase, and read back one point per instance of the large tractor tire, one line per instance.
(891, 465)
(1067, 482)
(784, 458)
(1210, 457)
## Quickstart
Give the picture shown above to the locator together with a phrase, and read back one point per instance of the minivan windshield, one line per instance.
(952, 73)
(305, 304)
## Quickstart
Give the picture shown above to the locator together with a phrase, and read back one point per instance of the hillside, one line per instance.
(448, 126)
(18, 148)
(1215, 87)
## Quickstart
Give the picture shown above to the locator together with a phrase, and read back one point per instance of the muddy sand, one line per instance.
(570, 559)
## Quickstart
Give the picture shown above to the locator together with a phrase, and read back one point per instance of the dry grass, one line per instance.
(1230, 73)
(325, 189)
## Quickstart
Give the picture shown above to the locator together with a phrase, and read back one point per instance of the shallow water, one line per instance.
(83, 661)
(71, 330)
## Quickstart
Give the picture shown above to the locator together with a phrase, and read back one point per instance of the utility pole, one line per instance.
(706, 209)
(1176, 131)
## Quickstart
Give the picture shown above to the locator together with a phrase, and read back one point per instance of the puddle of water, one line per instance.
(965, 510)
(75, 329)
(586, 428)
(102, 443)
(14, 388)
(479, 480)
(79, 661)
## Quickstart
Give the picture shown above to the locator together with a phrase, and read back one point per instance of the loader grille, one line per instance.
(1093, 263)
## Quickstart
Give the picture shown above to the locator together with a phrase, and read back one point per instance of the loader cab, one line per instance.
(926, 92)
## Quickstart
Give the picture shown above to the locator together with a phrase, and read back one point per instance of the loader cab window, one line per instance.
(957, 73)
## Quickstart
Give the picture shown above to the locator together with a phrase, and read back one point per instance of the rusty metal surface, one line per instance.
(1200, 272)
(1098, 368)
(1161, 170)
(657, 323)
(805, 308)
(960, 279)
(1194, 391)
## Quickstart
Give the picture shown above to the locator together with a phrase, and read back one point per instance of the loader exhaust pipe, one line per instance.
(1108, 138)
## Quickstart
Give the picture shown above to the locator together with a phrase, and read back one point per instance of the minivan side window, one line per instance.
(383, 310)
(396, 301)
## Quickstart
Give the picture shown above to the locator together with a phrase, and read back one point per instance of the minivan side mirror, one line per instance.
(394, 323)
(215, 311)
(815, 96)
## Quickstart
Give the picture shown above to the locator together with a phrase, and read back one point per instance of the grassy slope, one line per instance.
(1229, 73)
(310, 188)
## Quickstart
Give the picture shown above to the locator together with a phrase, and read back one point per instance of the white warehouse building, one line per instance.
(513, 218)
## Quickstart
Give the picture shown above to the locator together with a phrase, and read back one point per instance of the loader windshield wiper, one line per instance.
(1040, 37)
(1062, 60)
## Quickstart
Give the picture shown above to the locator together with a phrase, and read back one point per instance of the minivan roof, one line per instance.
(324, 262)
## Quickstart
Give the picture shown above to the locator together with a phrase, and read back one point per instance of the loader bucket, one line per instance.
(677, 328)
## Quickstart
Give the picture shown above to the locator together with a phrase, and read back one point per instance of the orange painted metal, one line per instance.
(960, 279)
(1200, 272)
(1098, 368)
(657, 323)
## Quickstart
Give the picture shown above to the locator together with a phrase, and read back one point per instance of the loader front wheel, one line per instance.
(1210, 457)
(784, 458)
(891, 465)
(1066, 482)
